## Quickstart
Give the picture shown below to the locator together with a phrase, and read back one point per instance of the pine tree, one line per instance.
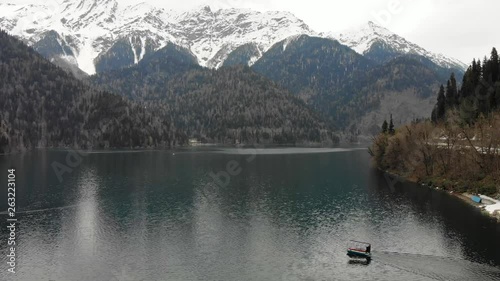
(467, 82)
(451, 92)
(391, 127)
(384, 127)
(448, 95)
(441, 105)
(495, 72)
(477, 72)
(454, 91)
(486, 71)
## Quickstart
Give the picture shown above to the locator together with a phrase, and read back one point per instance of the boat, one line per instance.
(359, 250)
(476, 199)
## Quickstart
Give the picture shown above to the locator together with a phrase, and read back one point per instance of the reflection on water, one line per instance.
(287, 216)
(86, 215)
(362, 262)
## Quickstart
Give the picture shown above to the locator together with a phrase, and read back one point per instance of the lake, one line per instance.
(236, 214)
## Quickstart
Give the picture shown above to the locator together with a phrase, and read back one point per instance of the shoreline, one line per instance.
(183, 147)
(465, 197)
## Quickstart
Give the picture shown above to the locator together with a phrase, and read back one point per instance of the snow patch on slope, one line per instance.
(136, 59)
(254, 59)
(143, 49)
(86, 56)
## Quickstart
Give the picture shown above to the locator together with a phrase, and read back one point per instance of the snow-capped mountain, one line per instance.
(209, 32)
(101, 35)
(370, 39)
(90, 29)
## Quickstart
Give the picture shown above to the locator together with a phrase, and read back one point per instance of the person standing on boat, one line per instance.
(368, 249)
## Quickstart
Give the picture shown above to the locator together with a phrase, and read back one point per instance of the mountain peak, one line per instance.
(379, 28)
(372, 24)
(204, 9)
(362, 38)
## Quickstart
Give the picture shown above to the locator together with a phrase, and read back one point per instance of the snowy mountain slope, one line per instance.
(93, 27)
(208, 31)
(101, 35)
(370, 38)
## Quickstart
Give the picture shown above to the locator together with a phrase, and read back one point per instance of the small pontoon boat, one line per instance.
(359, 250)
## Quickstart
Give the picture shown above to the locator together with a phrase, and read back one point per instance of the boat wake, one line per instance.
(40, 210)
(436, 267)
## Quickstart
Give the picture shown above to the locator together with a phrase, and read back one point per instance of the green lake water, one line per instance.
(271, 214)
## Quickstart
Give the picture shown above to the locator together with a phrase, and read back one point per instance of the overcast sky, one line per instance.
(460, 28)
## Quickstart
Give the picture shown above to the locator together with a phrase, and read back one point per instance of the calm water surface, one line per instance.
(287, 215)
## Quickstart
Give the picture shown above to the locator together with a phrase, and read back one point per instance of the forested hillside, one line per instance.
(41, 105)
(460, 148)
(238, 104)
(311, 65)
(150, 78)
(242, 55)
(353, 91)
(230, 105)
(402, 87)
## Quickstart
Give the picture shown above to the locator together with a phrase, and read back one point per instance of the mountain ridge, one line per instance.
(92, 28)
(354, 92)
(363, 39)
